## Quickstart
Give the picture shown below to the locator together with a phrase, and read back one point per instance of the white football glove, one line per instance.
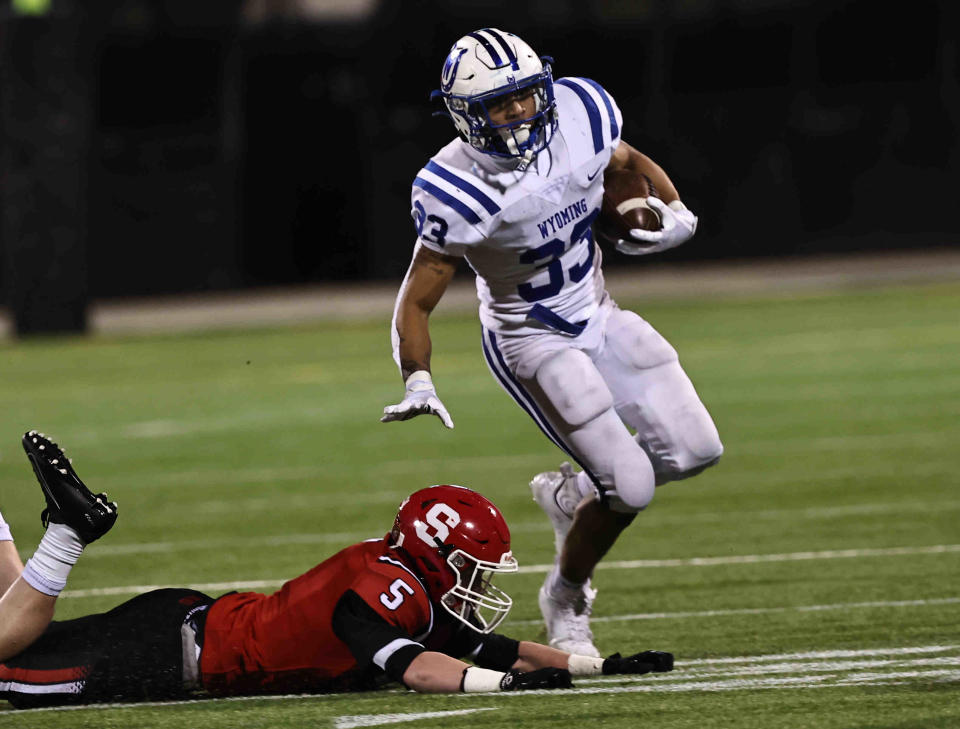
(677, 226)
(420, 398)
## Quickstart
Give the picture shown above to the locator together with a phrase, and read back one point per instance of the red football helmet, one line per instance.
(455, 540)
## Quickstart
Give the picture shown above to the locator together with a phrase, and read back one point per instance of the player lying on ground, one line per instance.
(405, 607)
(517, 195)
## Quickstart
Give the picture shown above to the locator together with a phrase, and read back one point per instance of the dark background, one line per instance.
(187, 145)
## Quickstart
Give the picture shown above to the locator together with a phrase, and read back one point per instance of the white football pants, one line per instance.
(586, 392)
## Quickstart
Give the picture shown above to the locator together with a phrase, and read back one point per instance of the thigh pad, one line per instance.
(574, 387)
(634, 342)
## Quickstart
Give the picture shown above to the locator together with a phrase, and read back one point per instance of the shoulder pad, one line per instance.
(396, 594)
(583, 96)
(462, 192)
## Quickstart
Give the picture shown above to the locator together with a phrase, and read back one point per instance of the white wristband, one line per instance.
(419, 381)
(584, 665)
(476, 679)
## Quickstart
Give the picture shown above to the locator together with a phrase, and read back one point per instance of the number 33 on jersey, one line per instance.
(527, 234)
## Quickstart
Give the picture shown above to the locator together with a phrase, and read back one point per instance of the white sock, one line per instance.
(560, 587)
(46, 571)
(5, 535)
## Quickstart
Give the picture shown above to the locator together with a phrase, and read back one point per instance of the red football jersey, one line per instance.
(285, 642)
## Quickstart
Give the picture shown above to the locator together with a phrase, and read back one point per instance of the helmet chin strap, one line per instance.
(525, 160)
(513, 138)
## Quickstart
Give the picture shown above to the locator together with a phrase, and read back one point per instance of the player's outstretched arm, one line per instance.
(432, 672)
(427, 279)
(533, 656)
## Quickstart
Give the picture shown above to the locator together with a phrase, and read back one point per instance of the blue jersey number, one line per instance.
(550, 252)
(437, 234)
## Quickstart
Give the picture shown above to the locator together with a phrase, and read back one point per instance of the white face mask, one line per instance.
(473, 600)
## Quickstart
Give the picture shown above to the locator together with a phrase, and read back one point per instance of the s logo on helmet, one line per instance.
(452, 518)
(449, 73)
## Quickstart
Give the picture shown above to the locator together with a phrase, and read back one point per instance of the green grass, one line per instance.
(252, 455)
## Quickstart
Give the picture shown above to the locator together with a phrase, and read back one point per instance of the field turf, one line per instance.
(809, 580)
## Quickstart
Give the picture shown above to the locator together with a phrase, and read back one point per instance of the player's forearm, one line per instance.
(432, 672)
(414, 340)
(534, 655)
(427, 280)
(531, 656)
(666, 190)
(629, 158)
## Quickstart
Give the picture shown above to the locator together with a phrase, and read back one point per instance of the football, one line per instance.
(625, 206)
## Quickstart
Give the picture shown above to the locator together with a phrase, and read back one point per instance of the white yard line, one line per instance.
(819, 655)
(359, 720)
(760, 669)
(821, 670)
(536, 526)
(202, 587)
(741, 684)
(762, 611)
(627, 564)
(759, 558)
(194, 545)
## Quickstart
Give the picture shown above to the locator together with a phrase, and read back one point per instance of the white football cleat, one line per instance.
(568, 621)
(557, 494)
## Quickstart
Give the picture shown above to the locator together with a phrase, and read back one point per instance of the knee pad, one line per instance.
(634, 483)
(700, 443)
(674, 426)
(574, 387)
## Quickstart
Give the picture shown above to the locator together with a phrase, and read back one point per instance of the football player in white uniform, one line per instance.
(516, 195)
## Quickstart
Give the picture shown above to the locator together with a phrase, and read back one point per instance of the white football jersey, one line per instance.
(527, 235)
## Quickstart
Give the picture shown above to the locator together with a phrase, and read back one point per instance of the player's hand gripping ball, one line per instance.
(625, 206)
(636, 220)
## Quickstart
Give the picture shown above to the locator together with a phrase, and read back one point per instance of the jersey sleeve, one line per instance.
(450, 208)
(593, 112)
(383, 617)
(496, 651)
(371, 638)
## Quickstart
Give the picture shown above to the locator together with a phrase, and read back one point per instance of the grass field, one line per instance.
(809, 580)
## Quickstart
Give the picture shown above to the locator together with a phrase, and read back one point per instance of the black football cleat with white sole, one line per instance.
(68, 500)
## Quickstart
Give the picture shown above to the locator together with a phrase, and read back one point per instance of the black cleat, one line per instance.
(68, 500)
